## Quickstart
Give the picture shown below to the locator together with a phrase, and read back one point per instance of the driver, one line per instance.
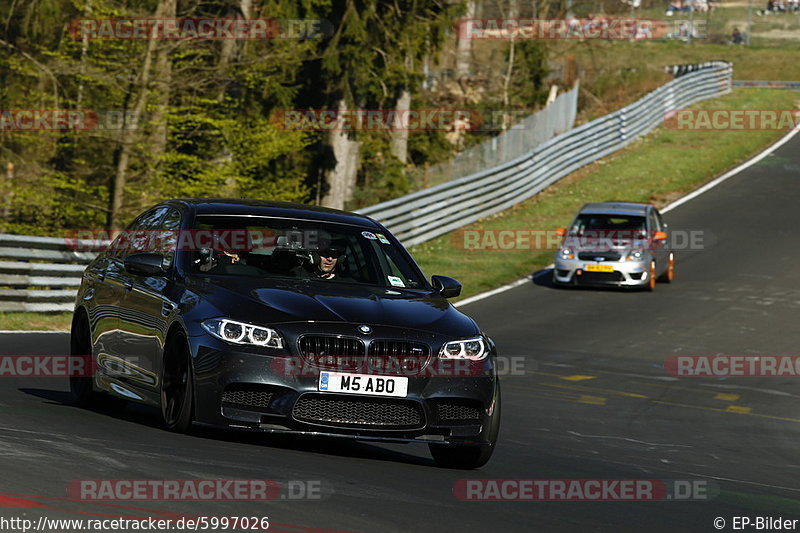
(325, 266)
(325, 255)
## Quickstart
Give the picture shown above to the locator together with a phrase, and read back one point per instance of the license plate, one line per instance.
(599, 268)
(363, 384)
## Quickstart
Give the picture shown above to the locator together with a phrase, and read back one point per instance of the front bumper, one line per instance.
(254, 389)
(622, 274)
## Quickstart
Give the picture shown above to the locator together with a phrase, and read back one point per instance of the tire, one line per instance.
(81, 388)
(669, 274)
(177, 386)
(467, 457)
(651, 277)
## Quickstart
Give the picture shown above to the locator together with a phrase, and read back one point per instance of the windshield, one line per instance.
(613, 226)
(277, 248)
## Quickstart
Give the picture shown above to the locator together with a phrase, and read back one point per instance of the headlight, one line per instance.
(566, 253)
(241, 333)
(472, 349)
(636, 255)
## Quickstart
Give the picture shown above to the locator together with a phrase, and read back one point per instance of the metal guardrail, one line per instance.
(39, 273)
(43, 273)
(423, 215)
(534, 129)
(759, 84)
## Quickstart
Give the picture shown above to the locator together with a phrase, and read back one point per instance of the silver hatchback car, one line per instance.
(615, 244)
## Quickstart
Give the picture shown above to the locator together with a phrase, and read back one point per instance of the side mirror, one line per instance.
(145, 263)
(660, 236)
(447, 287)
(561, 231)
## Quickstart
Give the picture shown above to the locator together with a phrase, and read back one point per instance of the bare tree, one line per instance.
(162, 83)
(342, 177)
(464, 45)
(130, 127)
(399, 134)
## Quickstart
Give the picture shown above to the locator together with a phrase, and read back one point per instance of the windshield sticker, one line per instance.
(368, 235)
(381, 237)
(394, 281)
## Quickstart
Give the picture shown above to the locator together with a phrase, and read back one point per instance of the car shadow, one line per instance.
(544, 278)
(112, 407)
(321, 445)
(144, 415)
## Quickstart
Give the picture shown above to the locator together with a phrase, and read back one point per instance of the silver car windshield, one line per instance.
(609, 225)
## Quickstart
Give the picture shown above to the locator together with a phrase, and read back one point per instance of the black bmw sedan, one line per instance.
(285, 318)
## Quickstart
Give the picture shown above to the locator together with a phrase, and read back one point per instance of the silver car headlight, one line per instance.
(635, 255)
(473, 349)
(242, 333)
(566, 253)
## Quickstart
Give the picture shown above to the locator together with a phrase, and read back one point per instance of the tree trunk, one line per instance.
(513, 13)
(399, 135)
(341, 179)
(506, 84)
(230, 46)
(84, 50)
(464, 45)
(162, 84)
(128, 139)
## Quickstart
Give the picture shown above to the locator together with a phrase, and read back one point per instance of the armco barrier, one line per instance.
(39, 273)
(43, 273)
(423, 215)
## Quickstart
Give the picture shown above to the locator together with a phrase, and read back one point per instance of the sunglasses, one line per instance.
(333, 254)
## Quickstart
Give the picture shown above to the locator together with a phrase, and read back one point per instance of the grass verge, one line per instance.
(658, 168)
(35, 321)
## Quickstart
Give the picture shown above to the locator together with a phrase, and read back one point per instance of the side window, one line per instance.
(654, 225)
(660, 220)
(170, 228)
(138, 237)
(122, 242)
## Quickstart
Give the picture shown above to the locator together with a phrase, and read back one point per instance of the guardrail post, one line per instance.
(623, 131)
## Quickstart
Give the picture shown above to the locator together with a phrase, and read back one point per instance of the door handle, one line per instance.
(128, 285)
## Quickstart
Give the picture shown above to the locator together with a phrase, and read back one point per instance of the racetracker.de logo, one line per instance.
(377, 120)
(236, 240)
(195, 489)
(47, 366)
(719, 366)
(399, 365)
(207, 29)
(506, 240)
(563, 29)
(47, 119)
(586, 490)
(733, 119)
(69, 120)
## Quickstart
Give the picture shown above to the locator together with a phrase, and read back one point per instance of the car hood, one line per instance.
(279, 301)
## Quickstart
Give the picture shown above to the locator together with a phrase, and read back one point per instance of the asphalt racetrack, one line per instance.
(593, 402)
